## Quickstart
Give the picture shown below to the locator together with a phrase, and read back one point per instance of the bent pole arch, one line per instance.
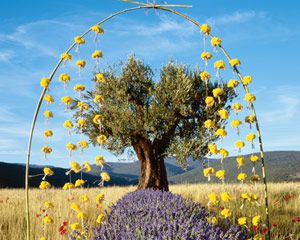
(167, 8)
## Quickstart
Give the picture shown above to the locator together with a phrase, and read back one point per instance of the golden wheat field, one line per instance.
(284, 207)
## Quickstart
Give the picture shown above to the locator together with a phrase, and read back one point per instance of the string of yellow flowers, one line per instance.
(253, 119)
(235, 123)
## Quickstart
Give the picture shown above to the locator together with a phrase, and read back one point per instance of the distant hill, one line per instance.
(281, 166)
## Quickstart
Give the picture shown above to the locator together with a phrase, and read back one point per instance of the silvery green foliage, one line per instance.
(149, 214)
(167, 109)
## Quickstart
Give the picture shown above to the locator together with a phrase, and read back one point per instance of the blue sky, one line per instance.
(264, 35)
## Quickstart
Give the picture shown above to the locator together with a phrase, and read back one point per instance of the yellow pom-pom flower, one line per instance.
(224, 153)
(207, 172)
(100, 161)
(213, 220)
(242, 177)
(67, 100)
(205, 28)
(254, 158)
(48, 98)
(84, 198)
(46, 150)
(223, 113)
(226, 213)
(247, 80)
(64, 77)
(99, 99)
(242, 221)
(101, 218)
(75, 207)
(217, 93)
(79, 183)
(250, 98)
(71, 147)
(221, 132)
(250, 119)
(97, 54)
(213, 198)
(234, 62)
(83, 106)
(47, 219)
(105, 176)
(215, 41)
(48, 133)
(45, 82)
(205, 76)
(239, 144)
(99, 198)
(81, 215)
(237, 107)
(68, 186)
(79, 40)
(75, 226)
(213, 148)
(48, 171)
(97, 29)
(86, 166)
(100, 78)
(66, 56)
(256, 220)
(206, 56)
(209, 123)
(81, 123)
(240, 161)
(245, 197)
(219, 64)
(225, 197)
(68, 124)
(75, 167)
(79, 87)
(236, 123)
(44, 185)
(97, 119)
(209, 101)
(80, 64)
(233, 83)
(250, 137)
(48, 114)
(83, 144)
(220, 174)
(102, 139)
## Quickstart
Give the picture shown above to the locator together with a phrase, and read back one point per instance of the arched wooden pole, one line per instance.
(141, 6)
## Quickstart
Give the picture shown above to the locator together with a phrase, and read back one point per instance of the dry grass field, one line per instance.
(284, 207)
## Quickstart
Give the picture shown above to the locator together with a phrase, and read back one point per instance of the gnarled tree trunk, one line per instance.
(153, 171)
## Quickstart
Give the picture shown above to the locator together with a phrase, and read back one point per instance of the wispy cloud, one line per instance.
(235, 17)
(36, 36)
(287, 108)
(6, 55)
(285, 103)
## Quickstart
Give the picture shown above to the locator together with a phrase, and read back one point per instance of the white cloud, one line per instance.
(236, 17)
(165, 25)
(285, 105)
(7, 115)
(36, 36)
(6, 55)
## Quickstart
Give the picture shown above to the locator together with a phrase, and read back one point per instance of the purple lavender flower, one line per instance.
(156, 215)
